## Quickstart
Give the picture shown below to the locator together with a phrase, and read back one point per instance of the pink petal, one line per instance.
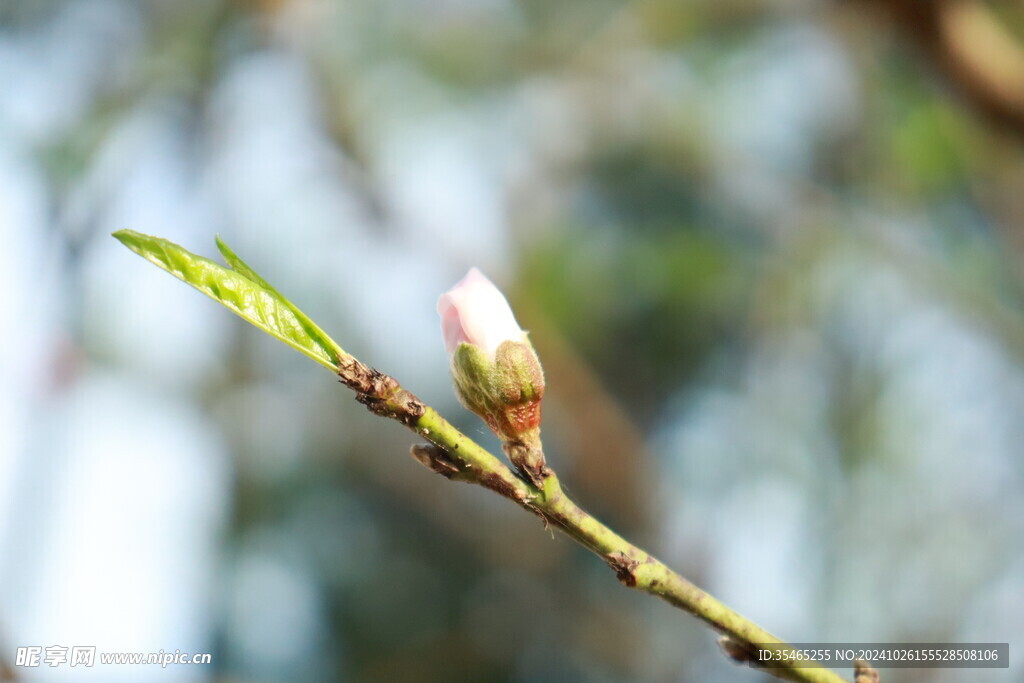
(476, 312)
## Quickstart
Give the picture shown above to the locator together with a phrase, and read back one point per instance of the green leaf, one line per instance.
(314, 331)
(241, 267)
(242, 291)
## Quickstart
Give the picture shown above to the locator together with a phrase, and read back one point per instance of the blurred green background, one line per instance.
(770, 254)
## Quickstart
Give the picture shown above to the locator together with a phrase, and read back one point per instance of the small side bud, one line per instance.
(437, 460)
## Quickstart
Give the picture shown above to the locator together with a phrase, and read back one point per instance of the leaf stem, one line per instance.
(458, 457)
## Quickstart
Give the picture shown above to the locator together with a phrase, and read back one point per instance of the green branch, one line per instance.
(454, 455)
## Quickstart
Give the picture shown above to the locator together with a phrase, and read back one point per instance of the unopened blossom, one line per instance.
(495, 370)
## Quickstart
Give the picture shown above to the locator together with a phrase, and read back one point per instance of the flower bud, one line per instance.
(495, 370)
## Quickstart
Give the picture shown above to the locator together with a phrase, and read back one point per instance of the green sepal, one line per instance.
(505, 391)
(471, 376)
(519, 376)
